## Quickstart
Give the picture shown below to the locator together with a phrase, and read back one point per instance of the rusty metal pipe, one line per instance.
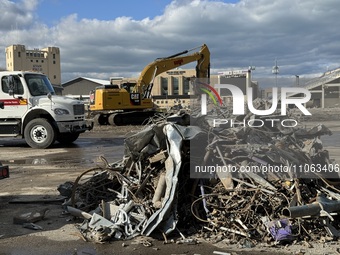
(301, 211)
(322, 204)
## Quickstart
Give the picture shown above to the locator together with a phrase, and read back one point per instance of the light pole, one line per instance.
(297, 80)
(275, 71)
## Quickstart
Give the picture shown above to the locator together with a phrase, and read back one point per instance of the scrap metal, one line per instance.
(151, 189)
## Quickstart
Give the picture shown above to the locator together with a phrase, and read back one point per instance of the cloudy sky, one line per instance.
(104, 38)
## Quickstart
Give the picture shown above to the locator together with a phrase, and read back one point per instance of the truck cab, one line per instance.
(33, 111)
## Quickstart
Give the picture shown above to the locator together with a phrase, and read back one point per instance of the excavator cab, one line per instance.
(128, 86)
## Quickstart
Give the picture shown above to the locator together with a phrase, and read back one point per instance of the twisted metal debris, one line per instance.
(156, 188)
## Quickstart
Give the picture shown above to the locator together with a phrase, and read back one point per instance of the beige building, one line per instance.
(173, 83)
(173, 88)
(46, 60)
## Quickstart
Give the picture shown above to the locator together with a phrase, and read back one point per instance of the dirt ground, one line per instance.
(32, 187)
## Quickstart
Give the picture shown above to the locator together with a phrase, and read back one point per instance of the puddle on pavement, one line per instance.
(76, 251)
(332, 140)
(47, 161)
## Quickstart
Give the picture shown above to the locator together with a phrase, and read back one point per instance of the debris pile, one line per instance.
(256, 181)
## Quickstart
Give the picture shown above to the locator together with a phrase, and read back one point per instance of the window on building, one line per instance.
(53, 61)
(32, 60)
(37, 61)
(19, 54)
(42, 61)
(164, 86)
(186, 86)
(54, 77)
(53, 56)
(175, 83)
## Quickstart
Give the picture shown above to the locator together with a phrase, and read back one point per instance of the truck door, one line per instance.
(13, 95)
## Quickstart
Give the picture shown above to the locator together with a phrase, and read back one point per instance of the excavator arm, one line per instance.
(145, 82)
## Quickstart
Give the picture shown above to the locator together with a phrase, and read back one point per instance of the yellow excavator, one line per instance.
(131, 103)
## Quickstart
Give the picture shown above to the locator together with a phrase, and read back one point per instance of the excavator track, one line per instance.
(130, 118)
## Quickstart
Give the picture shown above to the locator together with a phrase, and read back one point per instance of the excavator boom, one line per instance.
(161, 65)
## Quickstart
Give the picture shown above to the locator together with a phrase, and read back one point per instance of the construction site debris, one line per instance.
(278, 184)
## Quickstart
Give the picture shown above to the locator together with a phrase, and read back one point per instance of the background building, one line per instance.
(173, 83)
(325, 90)
(173, 88)
(239, 78)
(46, 60)
(170, 88)
(82, 86)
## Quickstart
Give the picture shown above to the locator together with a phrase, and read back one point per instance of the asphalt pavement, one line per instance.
(32, 186)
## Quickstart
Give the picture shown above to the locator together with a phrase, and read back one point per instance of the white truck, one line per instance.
(31, 110)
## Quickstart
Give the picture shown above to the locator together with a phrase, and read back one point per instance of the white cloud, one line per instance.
(302, 35)
(16, 15)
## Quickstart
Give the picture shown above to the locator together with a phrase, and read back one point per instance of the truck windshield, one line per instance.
(38, 84)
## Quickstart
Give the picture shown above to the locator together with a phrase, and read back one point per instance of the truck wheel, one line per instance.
(39, 134)
(67, 138)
